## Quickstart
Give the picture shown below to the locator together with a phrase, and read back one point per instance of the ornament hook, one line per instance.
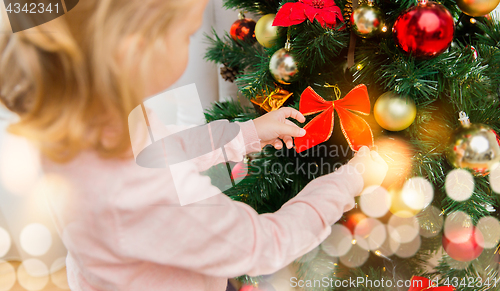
(464, 119)
(288, 44)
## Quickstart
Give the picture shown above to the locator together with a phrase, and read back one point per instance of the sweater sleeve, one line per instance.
(221, 141)
(221, 237)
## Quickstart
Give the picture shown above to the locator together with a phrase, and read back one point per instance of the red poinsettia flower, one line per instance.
(325, 11)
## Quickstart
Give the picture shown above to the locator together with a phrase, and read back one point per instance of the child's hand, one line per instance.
(371, 166)
(274, 126)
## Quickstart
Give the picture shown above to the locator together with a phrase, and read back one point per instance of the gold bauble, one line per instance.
(475, 147)
(367, 21)
(477, 7)
(393, 112)
(283, 67)
(265, 32)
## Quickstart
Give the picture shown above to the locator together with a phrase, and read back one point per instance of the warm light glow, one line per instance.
(495, 179)
(19, 165)
(458, 227)
(359, 67)
(403, 230)
(407, 250)
(7, 276)
(417, 193)
(459, 185)
(5, 242)
(384, 29)
(489, 227)
(339, 242)
(397, 154)
(370, 234)
(375, 201)
(356, 257)
(58, 274)
(473, 20)
(36, 239)
(431, 221)
(33, 275)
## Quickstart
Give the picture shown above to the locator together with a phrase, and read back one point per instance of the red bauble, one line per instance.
(464, 245)
(239, 171)
(425, 30)
(244, 30)
(353, 220)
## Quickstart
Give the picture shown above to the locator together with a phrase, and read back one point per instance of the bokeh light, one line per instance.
(370, 234)
(389, 247)
(458, 227)
(36, 239)
(58, 273)
(397, 153)
(403, 229)
(431, 221)
(5, 242)
(489, 227)
(33, 275)
(417, 193)
(339, 242)
(495, 179)
(7, 276)
(19, 166)
(356, 257)
(409, 249)
(459, 185)
(375, 201)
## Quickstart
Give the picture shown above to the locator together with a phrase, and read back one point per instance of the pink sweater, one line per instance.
(124, 228)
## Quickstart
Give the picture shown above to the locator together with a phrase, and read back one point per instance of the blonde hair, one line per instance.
(66, 83)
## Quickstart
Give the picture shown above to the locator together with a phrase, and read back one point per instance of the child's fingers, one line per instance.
(293, 113)
(277, 144)
(291, 130)
(288, 141)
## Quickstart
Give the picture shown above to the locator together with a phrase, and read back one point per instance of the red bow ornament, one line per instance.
(355, 129)
(421, 284)
(325, 11)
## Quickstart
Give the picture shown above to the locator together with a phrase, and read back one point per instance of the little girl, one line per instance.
(73, 82)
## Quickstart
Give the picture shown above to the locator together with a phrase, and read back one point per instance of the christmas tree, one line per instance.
(417, 80)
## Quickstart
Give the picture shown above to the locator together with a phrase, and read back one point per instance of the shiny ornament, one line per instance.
(393, 112)
(353, 220)
(367, 21)
(283, 67)
(463, 245)
(265, 32)
(425, 30)
(243, 30)
(239, 171)
(260, 286)
(473, 146)
(477, 7)
(274, 101)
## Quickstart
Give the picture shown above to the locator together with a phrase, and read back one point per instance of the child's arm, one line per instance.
(220, 237)
(205, 143)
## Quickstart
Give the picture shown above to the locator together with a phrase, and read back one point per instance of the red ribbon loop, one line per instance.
(355, 129)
